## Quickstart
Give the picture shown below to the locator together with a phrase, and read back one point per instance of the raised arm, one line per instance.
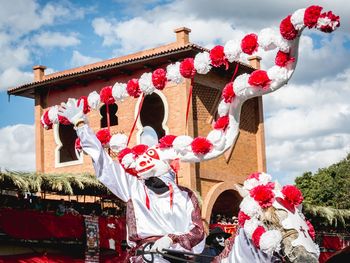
(108, 172)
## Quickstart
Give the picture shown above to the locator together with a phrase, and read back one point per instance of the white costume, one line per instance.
(175, 213)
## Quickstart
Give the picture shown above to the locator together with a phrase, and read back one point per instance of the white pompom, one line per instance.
(282, 43)
(297, 19)
(53, 114)
(266, 39)
(249, 184)
(202, 63)
(118, 142)
(232, 50)
(264, 178)
(250, 226)
(223, 108)
(217, 139)
(128, 161)
(270, 241)
(173, 73)
(250, 207)
(240, 85)
(278, 75)
(146, 83)
(182, 144)
(119, 91)
(94, 100)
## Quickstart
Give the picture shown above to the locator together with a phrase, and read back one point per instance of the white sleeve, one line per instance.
(108, 172)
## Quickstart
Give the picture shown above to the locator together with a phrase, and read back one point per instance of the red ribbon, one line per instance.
(189, 101)
(108, 118)
(236, 70)
(137, 116)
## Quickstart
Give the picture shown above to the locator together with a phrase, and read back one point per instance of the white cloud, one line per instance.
(17, 147)
(55, 39)
(12, 77)
(79, 60)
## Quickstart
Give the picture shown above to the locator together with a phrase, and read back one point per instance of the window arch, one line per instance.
(113, 108)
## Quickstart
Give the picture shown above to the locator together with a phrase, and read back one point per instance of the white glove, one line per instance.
(72, 112)
(162, 243)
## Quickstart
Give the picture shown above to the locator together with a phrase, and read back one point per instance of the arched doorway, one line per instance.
(226, 206)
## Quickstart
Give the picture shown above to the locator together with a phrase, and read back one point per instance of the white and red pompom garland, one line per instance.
(146, 83)
(311, 15)
(250, 207)
(202, 63)
(249, 44)
(104, 137)
(241, 85)
(287, 29)
(159, 78)
(328, 22)
(201, 145)
(251, 225)
(217, 56)
(223, 108)
(53, 114)
(297, 19)
(106, 96)
(119, 91)
(133, 88)
(270, 241)
(187, 69)
(182, 144)
(166, 141)
(217, 139)
(259, 78)
(266, 39)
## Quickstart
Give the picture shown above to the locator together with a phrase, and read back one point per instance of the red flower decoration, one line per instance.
(133, 88)
(217, 56)
(334, 19)
(139, 149)
(242, 217)
(201, 145)
(311, 229)
(103, 136)
(77, 144)
(63, 120)
(263, 195)
(187, 69)
(257, 235)
(312, 13)
(292, 194)
(282, 59)
(250, 44)
(106, 95)
(166, 141)
(84, 99)
(259, 78)
(221, 123)
(159, 78)
(228, 93)
(46, 121)
(254, 175)
(287, 29)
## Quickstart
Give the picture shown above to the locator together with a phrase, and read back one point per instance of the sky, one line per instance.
(307, 123)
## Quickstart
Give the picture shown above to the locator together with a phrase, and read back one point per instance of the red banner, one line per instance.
(228, 228)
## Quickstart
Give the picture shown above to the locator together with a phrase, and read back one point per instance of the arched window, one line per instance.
(65, 154)
(113, 108)
(153, 114)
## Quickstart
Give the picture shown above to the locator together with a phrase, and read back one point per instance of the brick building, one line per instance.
(165, 111)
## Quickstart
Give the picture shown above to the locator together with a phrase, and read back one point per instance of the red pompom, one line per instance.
(259, 78)
(139, 149)
(228, 93)
(103, 136)
(133, 88)
(292, 194)
(63, 120)
(311, 229)
(312, 13)
(201, 145)
(46, 121)
(159, 78)
(287, 29)
(166, 141)
(334, 22)
(283, 59)
(255, 175)
(250, 44)
(257, 235)
(77, 144)
(84, 99)
(221, 123)
(242, 217)
(187, 69)
(106, 95)
(263, 194)
(122, 153)
(217, 56)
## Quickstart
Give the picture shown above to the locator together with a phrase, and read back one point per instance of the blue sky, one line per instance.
(307, 122)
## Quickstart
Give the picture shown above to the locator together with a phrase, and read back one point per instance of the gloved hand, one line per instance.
(163, 243)
(72, 112)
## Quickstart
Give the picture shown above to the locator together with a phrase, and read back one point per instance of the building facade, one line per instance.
(164, 111)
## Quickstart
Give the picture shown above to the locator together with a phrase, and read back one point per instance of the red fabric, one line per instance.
(36, 225)
(332, 242)
(228, 228)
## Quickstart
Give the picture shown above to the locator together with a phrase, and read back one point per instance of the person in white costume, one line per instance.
(158, 209)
